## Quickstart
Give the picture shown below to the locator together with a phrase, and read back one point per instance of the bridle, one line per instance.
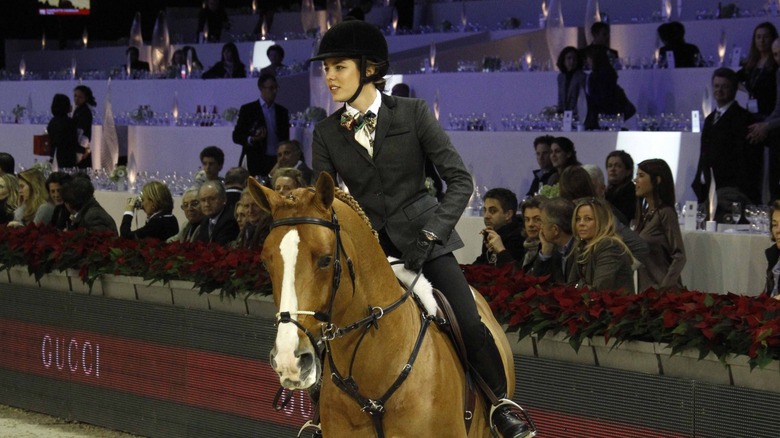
(330, 332)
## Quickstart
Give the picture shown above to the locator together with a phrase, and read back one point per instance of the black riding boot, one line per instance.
(486, 362)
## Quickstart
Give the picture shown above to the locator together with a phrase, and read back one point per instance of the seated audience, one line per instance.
(235, 183)
(286, 179)
(275, 54)
(532, 223)
(620, 185)
(60, 215)
(136, 65)
(672, 35)
(212, 18)
(257, 226)
(191, 58)
(657, 225)
(571, 79)
(600, 36)
(191, 207)
(546, 170)
(78, 194)
(7, 163)
(773, 255)
(157, 202)
(34, 206)
(502, 237)
(212, 159)
(229, 67)
(562, 155)
(63, 134)
(218, 224)
(290, 154)
(725, 151)
(556, 240)
(9, 197)
(602, 260)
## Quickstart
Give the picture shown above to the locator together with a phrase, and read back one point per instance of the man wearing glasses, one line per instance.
(191, 207)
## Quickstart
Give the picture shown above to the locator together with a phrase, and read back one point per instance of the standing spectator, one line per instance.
(218, 225)
(9, 197)
(724, 146)
(275, 54)
(212, 159)
(211, 20)
(562, 155)
(672, 35)
(230, 66)
(571, 79)
(63, 133)
(82, 115)
(7, 163)
(191, 207)
(34, 206)
(620, 185)
(157, 203)
(600, 33)
(405, 10)
(658, 226)
(773, 255)
(603, 261)
(261, 125)
(601, 88)
(546, 170)
(78, 194)
(502, 237)
(235, 183)
(532, 225)
(60, 215)
(289, 154)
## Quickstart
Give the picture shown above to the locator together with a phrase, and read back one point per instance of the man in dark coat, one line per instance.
(503, 239)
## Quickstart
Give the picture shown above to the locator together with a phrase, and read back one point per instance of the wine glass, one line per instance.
(736, 212)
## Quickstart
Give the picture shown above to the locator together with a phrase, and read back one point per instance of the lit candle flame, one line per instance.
(263, 30)
(528, 60)
(175, 110)
(395, 21)
(73, 68)
(722, 46)
(544, 9)
(22, 67)
(85, 38)
(666, 9)
(432, 56)
(43, 41)
(254, 7)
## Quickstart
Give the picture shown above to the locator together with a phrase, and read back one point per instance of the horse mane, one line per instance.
(353, 204)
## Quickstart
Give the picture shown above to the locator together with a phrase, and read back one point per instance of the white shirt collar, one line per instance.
(374, 107)
(725, 107)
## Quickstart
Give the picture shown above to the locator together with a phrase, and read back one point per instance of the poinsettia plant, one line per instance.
(682, 319)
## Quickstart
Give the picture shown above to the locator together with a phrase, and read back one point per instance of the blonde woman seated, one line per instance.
(253, 223)
(9, 197)
(601, 260)
(286, 179)
(156, 201)
(34, 206)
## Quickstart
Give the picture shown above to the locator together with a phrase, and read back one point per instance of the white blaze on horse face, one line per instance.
(287, 334)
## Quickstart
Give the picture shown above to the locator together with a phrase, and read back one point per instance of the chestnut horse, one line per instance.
(388, 371)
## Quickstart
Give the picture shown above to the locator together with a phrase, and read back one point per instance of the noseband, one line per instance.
(373, 407)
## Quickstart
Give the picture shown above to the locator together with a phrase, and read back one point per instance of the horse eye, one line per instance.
(324, 261)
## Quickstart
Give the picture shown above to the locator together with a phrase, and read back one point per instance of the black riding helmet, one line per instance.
(356, 39)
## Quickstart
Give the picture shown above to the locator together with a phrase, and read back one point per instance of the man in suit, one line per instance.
(556, 239)
(235, 182)
(289, 154)
(724, 146)
(261, 125)
(502, 240)
(600, 34)
(219, 225)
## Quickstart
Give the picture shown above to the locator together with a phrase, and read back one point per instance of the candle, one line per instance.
(722, 47)
(432, 56)
(85, 37)
(22, 68)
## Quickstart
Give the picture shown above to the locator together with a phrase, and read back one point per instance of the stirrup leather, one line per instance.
(310, 425)
(516, 407)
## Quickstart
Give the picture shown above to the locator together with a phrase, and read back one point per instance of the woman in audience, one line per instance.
(601, 260)
(257, 223)
(60, 215)
(571, 79)
(63, 133)
(562, 155)
(191, 55)
(286, 179)
(757, 76)
(34, 206)
(191, 207)
(658, 226)
(229, 67)
(620, 185)
(157, 202)
(9, 197)
(773, 256)
(82, 115)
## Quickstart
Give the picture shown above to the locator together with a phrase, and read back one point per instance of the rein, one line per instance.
(373, 407)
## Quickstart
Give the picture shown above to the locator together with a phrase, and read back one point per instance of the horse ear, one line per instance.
(265, 197)
(326, 189)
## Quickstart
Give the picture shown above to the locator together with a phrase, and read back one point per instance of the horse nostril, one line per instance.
(306, 360)
(272, 357)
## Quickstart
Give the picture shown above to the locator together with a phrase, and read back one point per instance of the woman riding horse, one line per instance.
(379, 145)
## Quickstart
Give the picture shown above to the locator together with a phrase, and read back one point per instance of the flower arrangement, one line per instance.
(550, 191)
(119, 173)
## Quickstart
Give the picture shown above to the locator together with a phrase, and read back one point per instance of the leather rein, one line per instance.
(330, 332)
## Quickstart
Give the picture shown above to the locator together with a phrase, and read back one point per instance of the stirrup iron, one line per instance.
(516, 407)
(310, 425)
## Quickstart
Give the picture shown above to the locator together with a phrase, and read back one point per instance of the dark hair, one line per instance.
(544, 139)
(77, 191)
(60, 178)
(236, 176)
(753, 55)
(189, 50)
(264, 77)
(535, 202)
(568, 147)
(598, 27)
(213, 152)
(87, 94)
(7, 162)
(233, 51)
(663, 190)
(134, 50)
(728, 74)
(628, 162)
(599, 58)
(401, 89)
(671, 33)
(575, 183)
(775, 207)
(505, 197)
(561, 63)
(559, 211)
(60, 105)
(277, 48)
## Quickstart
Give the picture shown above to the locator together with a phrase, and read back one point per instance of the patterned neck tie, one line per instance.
(363, 126)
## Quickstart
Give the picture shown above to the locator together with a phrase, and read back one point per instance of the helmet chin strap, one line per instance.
(363, 80)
